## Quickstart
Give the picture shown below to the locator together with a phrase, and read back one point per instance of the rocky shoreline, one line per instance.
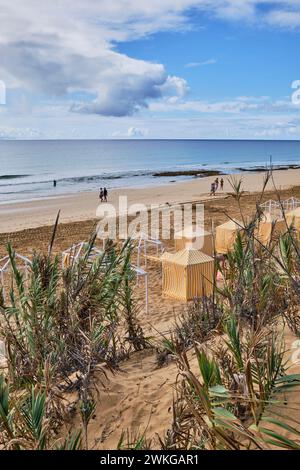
(197, 173)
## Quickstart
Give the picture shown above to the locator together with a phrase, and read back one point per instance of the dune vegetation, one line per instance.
(61, 326)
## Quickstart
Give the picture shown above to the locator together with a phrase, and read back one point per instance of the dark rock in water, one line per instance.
(11, 177)
(196, 173)
(274, 167)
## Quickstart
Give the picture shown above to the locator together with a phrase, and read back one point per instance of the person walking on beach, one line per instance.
(101, 195)
(213, 189)
(216, 184)
(222, 184)
(105, 193)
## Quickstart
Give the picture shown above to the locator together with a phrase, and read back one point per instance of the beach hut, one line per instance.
(269, 226)
(187, 274)
(226, 235)
(199, 238)
(293, 217)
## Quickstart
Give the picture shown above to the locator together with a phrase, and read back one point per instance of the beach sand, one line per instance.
(83, 206)
(139, 396)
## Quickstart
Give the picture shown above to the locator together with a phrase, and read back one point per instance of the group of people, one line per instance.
(215, 186)
(103, 194)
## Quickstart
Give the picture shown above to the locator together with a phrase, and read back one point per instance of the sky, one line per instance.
(165, 69)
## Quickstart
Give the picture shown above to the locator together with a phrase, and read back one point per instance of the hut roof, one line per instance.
(231, 225)
(187, 257)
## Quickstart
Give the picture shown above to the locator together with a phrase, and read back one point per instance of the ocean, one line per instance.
(28, 168)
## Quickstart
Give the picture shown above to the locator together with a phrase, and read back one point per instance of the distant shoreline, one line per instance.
(83, 206)
(182, 175)
(29, 168)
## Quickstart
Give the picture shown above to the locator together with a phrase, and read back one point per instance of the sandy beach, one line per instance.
(149, 230)
(139, 396)
(83, 206)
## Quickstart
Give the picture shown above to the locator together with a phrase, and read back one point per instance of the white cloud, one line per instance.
(60, 48)
(11, 133)
(56, 48)
(201, 64)
(126, 94)
(241, 104)
(174, 86)
(284, 18)
(56, 124)
(53, 51)
(131, 132)
(137, 132)
(197, 106)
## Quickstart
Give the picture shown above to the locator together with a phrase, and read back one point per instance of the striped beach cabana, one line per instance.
(187, 274)
(226, 235)
(269, 227)
(199, 238)
(293, 218)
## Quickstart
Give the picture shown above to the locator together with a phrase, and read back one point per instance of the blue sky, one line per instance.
(233, 59)
(135, 69)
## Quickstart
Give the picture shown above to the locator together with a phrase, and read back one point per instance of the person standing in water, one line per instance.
(101, 195)
(54, 183)
(105, 193)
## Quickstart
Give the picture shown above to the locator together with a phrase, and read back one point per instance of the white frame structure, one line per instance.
(2, 350)
(76, 250)
(275, 208)
(139, 272)
(290, 204)
(103, 237)
(5, 267)
(144, 241)
(272, 207)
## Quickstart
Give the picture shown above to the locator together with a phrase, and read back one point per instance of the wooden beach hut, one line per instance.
(226, 235)
(293, 218)
(187, 274)
(199, 238)
(269, 226)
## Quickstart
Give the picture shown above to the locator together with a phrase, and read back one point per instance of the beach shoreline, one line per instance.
(18, 216)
